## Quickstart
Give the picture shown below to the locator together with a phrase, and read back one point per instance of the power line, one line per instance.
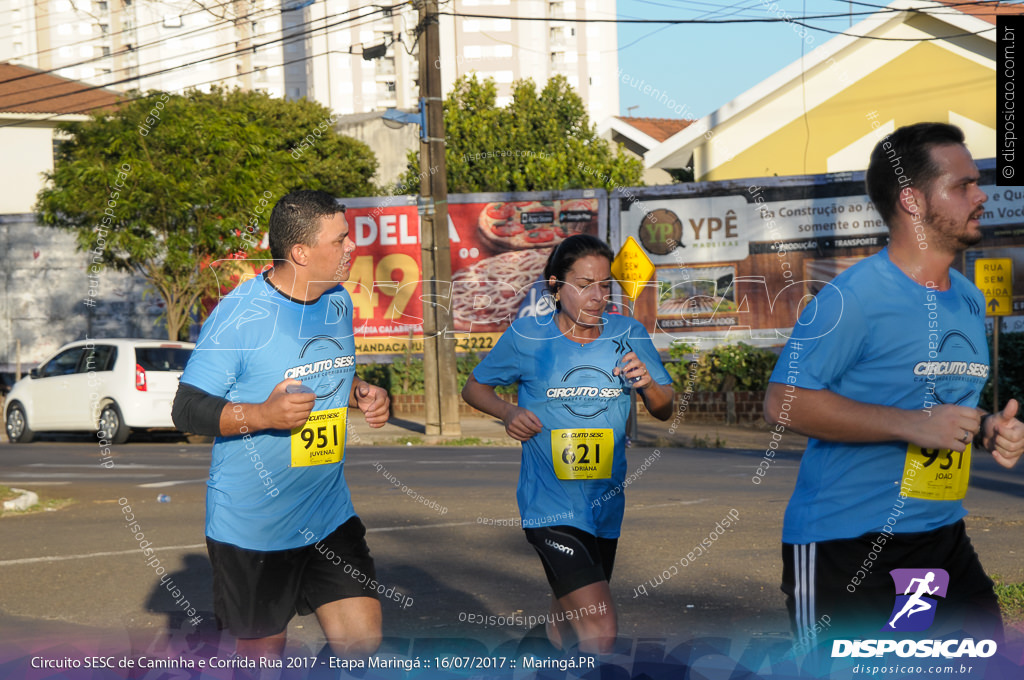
(92, 41)
(150, 95)
(259, 14)
(801, 21)
(208, 59)
(284, 38)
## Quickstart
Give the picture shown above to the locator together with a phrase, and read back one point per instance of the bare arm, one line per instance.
(520, 424)
(825, 415)
(657, 398)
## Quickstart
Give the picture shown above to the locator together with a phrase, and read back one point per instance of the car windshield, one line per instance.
(162, 358)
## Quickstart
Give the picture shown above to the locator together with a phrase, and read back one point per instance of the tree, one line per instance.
(168, 184)
(539, 142)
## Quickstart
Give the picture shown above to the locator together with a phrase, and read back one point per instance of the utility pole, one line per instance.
(439, 371)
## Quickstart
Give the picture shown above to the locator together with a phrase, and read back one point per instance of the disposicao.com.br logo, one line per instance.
(916, 602)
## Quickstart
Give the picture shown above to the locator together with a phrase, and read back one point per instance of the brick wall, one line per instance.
(721, 407)
(405, 404)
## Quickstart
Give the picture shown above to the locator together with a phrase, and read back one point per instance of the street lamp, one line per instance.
(396, 119)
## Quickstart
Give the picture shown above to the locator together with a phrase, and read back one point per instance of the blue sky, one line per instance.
(705, 66)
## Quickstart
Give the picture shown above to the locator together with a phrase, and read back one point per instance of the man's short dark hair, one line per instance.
(904, 159)
(296, 219)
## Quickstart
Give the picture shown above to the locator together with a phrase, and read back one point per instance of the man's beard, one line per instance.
(947, 234)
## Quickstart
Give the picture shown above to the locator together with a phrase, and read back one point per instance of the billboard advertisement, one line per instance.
(499, 245)
(737, 260)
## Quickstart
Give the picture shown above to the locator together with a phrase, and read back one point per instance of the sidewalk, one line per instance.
(486, 431)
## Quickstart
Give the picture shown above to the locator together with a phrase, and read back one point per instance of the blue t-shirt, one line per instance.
(583, 408)
(876, 336)
(255, 338)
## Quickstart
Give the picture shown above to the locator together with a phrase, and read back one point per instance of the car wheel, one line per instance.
(112, 425)
(18, 430)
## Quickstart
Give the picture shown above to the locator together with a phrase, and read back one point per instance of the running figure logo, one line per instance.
(915, 607)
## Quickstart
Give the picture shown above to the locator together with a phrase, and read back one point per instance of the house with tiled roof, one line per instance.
(639, 135)
(912, 61)
(42, 273)
(32, 104)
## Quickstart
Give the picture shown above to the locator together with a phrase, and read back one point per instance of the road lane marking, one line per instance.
(114, 553)
(75, 475)
(157, 485)
(123, 466)
(665, 505)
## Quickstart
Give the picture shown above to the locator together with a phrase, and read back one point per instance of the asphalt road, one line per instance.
(78, 572)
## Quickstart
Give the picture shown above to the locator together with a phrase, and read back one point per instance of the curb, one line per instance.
(26, 500)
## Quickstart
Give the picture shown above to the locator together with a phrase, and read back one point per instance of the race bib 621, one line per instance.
(583, 453)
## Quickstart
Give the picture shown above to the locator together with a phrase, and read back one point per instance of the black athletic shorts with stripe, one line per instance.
(842, 588)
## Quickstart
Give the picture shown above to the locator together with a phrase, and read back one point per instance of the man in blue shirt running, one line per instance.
(273, 378)
(883, 372)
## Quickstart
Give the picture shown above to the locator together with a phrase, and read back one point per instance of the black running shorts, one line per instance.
(572, 557)
(256, 593)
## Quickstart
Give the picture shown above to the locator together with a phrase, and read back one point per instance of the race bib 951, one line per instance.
(321, 439)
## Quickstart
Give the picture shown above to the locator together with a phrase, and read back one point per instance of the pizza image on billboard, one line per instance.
(515, 225)
(499, 250)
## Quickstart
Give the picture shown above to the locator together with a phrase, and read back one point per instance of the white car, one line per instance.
(105, 386)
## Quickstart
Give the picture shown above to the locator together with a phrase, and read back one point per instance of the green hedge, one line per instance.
(726, 368)
(743, 367)
(1011, 371)
(405, 374)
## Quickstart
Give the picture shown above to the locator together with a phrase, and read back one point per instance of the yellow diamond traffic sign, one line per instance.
(632, 268)
(994, 276)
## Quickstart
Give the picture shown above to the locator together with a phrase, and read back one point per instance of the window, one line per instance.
(102, 6)
(65, 363)
(162, 358)
(99, 358)
(390, 86)
(106, 50)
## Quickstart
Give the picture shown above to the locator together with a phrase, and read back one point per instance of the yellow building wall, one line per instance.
(922, 84)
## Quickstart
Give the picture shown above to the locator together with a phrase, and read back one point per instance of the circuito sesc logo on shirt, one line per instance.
(322, 366)
(585, 391)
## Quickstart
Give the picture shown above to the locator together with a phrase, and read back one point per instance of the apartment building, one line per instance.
(314, 48)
